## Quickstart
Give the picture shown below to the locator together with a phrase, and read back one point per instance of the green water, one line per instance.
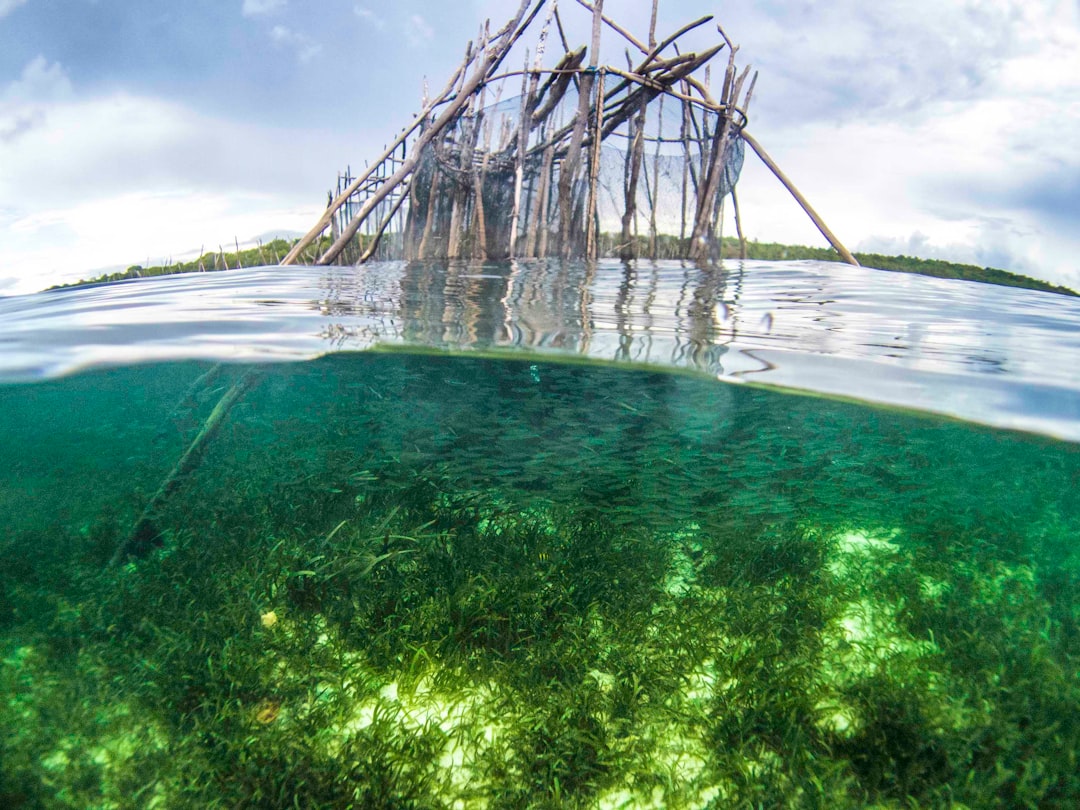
(409, 581)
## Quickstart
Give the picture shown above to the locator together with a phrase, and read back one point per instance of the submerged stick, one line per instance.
(145, 534)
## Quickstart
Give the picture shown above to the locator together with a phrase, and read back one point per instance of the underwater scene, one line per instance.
(410, 579)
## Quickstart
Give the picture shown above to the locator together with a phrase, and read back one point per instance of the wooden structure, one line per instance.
(585, 160)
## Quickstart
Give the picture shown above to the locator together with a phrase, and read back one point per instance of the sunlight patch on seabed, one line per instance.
(475, 718)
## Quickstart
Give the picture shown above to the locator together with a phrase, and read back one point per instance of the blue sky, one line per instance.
(135, 130)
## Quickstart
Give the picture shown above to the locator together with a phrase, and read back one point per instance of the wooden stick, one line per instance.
(408, 236)
(467, 147)
(738, 225)
(709, 200)
(480, 246)
(383, 225)
(565, 44)
(504, 47)
(429, 221)
(656, 85)
(634, 155)
(519, 162)
(684, 132)
(818, 221)
(340, 200)
(659, 48)
(145, 534)
(656, 181)
(618, 28)
(573, 152)
(591, 227)
(491, 58)
(542, 207)
(569, 64)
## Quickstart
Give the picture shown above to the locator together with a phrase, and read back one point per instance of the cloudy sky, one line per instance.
(135, 131)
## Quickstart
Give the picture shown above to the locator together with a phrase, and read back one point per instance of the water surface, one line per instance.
(997, 355)
(472, 573)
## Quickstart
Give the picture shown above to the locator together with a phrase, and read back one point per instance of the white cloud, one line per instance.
(305, 47)
(23, 102)
(418, 31)
(952, 186)
(255, 8)
(66, 244)
(39, 81)
(109, 181)
(981, 169)
(8, 6)
(369, 16)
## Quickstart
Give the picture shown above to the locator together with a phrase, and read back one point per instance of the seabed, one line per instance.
(404, 581)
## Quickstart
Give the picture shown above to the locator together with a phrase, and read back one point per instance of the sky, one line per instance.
(136, 132)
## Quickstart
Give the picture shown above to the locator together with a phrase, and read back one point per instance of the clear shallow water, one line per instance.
(996, 355)
(419, 579)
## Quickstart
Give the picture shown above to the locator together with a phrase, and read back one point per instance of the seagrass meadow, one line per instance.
(447, 581)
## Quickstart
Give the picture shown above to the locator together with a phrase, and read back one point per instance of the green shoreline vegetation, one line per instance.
(667, 247)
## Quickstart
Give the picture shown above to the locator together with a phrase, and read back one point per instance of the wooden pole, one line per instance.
(408, 236)
(467, 146)
(708, 201)
(491, 58)
(519, 160)
(656, 180)
(634, 156)
(738, 225)
(542, 219)
(818, 221)
(343, 197)
(592, 228)
(145, 533)
(429, 221)
(683, 136)
(480, 244)
(654, 51)
(566, 47)
(573, 155)
(614, 26)
(402, 196)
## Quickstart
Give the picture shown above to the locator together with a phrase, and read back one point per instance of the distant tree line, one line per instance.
(262, 254)
(901, 264)
(665, 247)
